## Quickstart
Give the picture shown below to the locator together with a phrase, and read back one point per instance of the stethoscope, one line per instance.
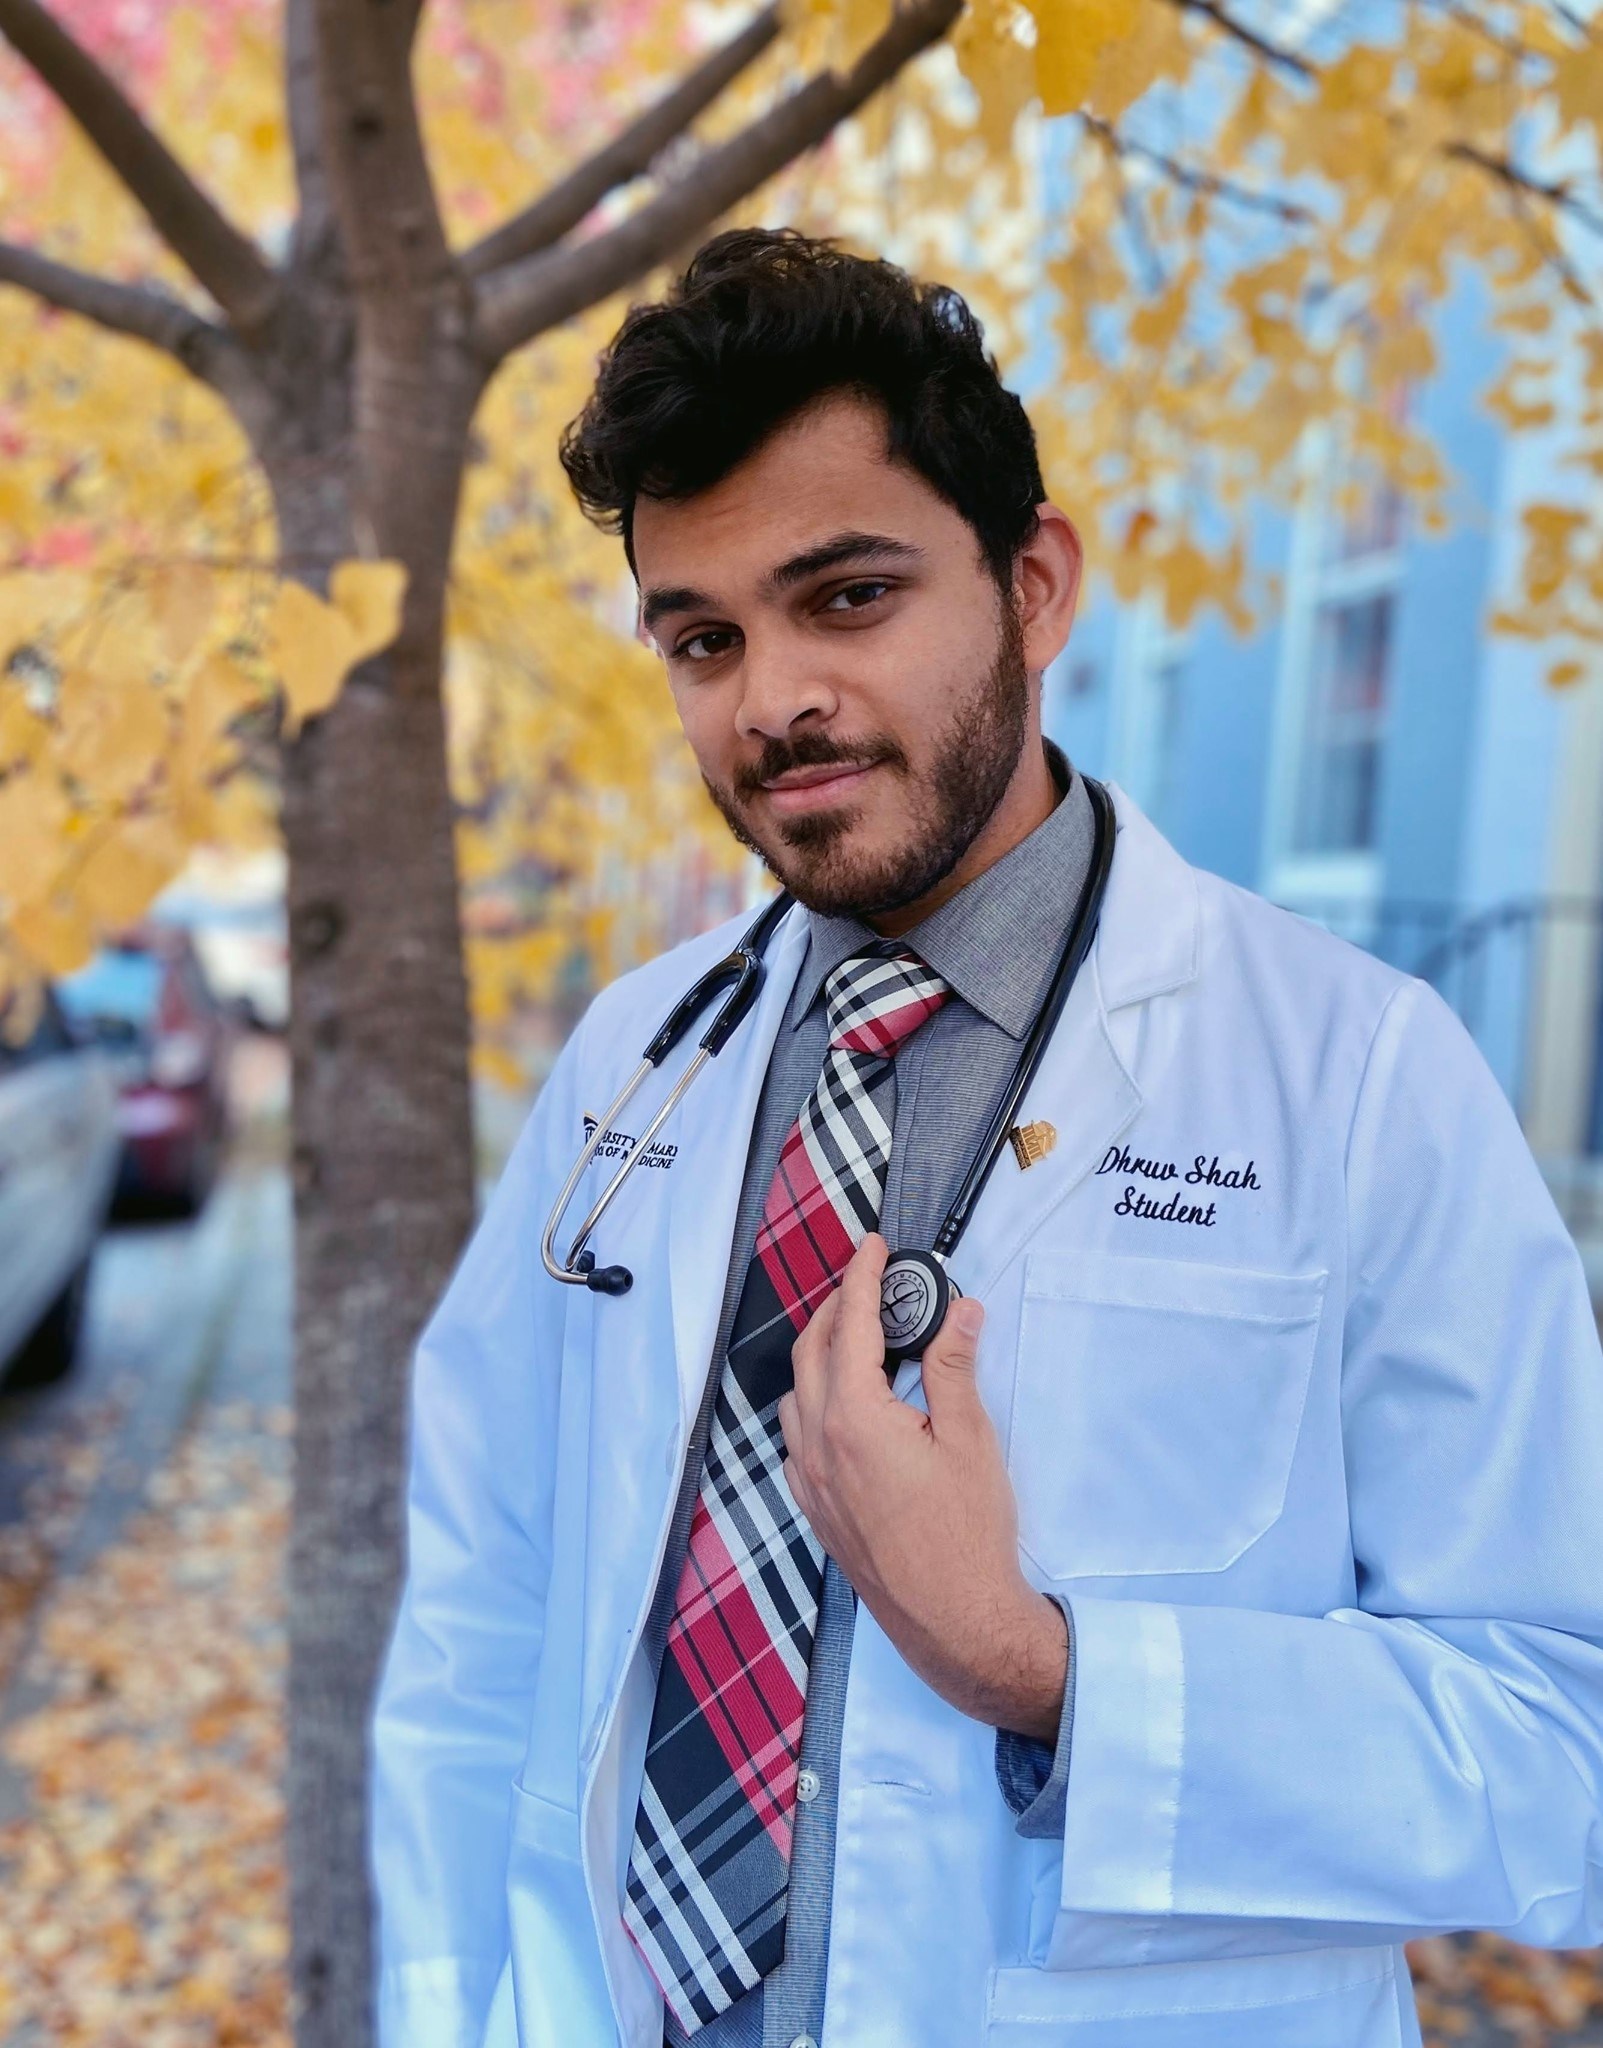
(917, 1286)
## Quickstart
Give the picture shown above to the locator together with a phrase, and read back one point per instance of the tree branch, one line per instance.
(1249, 38)
(1556, 192)
(525, 299)
(1191, 179)
(628, 156)
(222, 260)
(138, 310)
(373, 156)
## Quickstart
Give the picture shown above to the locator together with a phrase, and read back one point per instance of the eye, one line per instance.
(856, 597)
(706, 645)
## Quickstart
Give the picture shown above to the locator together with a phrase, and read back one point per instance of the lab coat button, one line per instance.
(807, 1784)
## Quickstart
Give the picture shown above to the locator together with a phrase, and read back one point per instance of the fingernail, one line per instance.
(968, 1316)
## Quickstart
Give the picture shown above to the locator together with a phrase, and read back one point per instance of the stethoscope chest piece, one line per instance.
(915, 1291)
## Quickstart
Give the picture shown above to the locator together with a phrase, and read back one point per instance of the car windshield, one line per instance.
(116, 988)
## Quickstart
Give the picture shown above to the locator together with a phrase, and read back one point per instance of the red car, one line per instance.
(146, 1000)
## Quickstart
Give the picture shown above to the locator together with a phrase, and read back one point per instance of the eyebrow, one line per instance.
(842, 547)
(658, 603)
(674, 597)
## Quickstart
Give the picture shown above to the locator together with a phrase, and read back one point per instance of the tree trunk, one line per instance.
(381, 1122)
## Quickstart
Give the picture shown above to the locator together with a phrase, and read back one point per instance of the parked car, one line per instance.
(147, 1002)
(59, 1150)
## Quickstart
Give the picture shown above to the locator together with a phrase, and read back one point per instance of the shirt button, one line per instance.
(804, 2041)
(807, 1786)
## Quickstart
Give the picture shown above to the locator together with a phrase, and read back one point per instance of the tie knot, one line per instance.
(876, 1000)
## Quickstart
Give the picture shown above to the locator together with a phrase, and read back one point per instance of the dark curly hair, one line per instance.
(764, 321)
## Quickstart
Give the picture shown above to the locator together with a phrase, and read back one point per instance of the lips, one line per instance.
(813, 789)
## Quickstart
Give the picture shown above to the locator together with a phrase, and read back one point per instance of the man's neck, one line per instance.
(1028, 801)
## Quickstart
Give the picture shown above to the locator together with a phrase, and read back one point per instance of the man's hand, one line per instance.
(917, 1509)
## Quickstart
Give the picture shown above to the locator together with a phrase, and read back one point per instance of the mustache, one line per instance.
(815, 750)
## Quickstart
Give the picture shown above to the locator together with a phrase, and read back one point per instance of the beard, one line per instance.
(951, 801)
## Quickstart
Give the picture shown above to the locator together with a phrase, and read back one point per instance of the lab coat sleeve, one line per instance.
(452, 1704)
(1432, 1757)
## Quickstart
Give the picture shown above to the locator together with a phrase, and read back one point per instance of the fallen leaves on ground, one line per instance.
(145, 1887)
(1480, 1989)
(62, 1467)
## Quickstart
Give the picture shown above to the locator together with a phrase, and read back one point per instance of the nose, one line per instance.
(780, 687)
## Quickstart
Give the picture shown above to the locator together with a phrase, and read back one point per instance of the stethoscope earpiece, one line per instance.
(603, 1279)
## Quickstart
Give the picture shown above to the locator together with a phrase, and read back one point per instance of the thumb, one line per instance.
(948, 1363)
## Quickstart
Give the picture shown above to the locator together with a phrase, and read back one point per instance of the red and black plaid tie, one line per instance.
(710, 1866)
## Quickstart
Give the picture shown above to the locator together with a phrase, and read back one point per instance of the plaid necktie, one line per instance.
(710, 1866)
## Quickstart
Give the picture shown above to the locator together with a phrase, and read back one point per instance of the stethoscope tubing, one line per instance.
(1082, 930)
(742, 971)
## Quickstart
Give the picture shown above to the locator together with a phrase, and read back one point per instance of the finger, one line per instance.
(948, 1363)
(790, 1471)
(857, 1353)
(859, 1284)
(790, 1424)
(811, 1348)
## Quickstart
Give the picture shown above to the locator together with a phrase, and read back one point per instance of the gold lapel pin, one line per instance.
(1031, 1143)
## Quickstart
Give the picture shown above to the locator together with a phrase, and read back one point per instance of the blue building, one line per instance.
(1374, 756)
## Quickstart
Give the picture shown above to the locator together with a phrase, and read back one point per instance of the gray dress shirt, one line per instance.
(995, 943)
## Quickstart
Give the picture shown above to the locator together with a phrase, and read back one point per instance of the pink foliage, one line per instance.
(129, 37)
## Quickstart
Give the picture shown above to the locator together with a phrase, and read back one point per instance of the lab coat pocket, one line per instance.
(1156, 1406)
(1322, 1998)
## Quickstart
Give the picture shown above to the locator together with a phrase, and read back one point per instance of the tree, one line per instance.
(1243, 235)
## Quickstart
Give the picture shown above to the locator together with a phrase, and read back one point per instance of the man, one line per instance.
(1220, 1603)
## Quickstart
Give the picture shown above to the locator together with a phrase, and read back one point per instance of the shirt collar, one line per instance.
(996, 942)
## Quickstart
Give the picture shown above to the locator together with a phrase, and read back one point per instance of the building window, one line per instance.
(1148, 710)
(1344, 726)
(1323, 838)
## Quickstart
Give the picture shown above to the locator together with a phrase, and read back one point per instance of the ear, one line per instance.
(1046, 582)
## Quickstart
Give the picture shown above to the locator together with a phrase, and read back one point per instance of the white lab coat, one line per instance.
(1323, 1476)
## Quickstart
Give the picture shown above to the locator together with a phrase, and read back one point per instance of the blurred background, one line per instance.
(1303, 297)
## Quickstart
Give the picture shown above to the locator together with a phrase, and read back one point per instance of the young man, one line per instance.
(1222, 1601)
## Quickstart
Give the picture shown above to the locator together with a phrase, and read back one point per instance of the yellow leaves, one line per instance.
(33, 819)
(1550, 532)
(56, 935)
(1578, 84)
(998, 64)
(218, 691)
(1563, 675)
(314, 645)
(835, 33)
(1071, 37)
(1155, 322)
(183, 598)
(312, 648)
(23, 733)
(1355, 81)
(126, 869)
(368, 595)
(1155, 48)
(31, 600)
(114, 730)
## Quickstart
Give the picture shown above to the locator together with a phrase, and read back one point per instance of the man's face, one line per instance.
(849, 676)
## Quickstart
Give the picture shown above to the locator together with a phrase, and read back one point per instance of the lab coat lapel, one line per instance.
(1146, 945)
(720, 1108)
